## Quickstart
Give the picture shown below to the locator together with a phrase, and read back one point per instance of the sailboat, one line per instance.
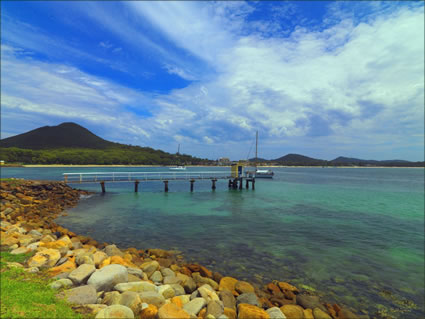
(260, 173)
(178, 168)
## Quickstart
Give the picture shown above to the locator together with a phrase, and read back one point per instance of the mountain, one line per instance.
(63, 135)
(70, 143)
(296, 159)
(258, 159)
(356, 161)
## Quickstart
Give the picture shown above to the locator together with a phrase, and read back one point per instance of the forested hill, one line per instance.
(70, 143)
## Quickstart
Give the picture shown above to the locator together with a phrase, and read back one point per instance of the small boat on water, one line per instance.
(264, 173)
(177, 168)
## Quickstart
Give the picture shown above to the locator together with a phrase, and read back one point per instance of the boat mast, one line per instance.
(256, 148)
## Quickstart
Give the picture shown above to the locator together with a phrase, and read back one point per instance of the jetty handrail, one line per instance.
(134, 176)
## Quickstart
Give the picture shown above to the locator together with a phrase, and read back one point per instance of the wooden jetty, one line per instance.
(235, 178)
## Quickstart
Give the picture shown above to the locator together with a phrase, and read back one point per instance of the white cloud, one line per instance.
(356, 84)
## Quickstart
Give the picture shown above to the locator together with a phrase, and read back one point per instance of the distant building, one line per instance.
(224, 161)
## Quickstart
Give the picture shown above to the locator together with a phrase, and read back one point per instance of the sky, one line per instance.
(321, 79)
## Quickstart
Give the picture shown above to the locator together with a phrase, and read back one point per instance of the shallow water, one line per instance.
(356, 236)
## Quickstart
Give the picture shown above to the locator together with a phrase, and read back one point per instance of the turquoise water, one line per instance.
(356, 236)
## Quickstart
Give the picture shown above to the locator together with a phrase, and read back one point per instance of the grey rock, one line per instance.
(171, 280)
(135, 271)
(195, 294)
(61, 283)
(223, 316)
(61, 261)
(62, 275)
(189, 285)
(249, 298)
(112, 250)
(167, 291)
(137, 286)
(228, 299)
(35, 233)
(115, 311)
(81, 295)
(112, 298)
(215, 308)
(86, 258)
(167, 272)
(208, 293)
(32, 270)
(195, 305)
(131, 300)
(82, 273)
(152, 297)
(178, 290)
(156, 276)
(150, 267)
(106, 278)
(275, 313)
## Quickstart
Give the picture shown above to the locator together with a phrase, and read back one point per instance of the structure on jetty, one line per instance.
(235, 177)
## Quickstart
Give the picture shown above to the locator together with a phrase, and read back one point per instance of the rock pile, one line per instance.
(148, 284)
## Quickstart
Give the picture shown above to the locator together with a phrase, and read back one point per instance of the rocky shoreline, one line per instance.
(108, 282)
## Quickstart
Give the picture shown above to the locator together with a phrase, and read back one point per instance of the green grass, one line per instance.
(25, 295)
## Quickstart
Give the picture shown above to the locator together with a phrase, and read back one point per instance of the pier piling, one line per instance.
(213, 184)
(136, 186)
(192, 181)
(230, 184)
(253, 183)
(102, 184)
(240, 183)
(166, 186)
(246, 183)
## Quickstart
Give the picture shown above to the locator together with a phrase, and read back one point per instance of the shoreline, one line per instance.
(166, 166)
(57, 196)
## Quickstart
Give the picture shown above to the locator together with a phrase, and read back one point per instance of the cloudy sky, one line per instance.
(322, 79)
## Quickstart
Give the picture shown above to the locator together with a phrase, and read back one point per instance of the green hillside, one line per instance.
(70, 143)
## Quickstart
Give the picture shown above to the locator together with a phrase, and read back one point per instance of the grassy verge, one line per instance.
(25, 295)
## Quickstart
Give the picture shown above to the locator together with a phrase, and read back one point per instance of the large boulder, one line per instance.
(248, 298)
(81, 295)
(80, 275)
(275, 313)
(115, 311)
(194, 306)
(137, 286)
(106, 278)
(112, 250)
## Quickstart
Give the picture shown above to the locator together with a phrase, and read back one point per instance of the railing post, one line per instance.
(102, 184)
(166, 186)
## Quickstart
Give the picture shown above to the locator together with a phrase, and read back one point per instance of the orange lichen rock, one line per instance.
(170, 310)
(230, 313)
(228, 283)
(67, 266)
(285, 286)
(292, 311)
(177, 301)
(149, 313)
(247, 311)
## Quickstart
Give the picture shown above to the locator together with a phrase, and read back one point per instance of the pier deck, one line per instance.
(137, 177)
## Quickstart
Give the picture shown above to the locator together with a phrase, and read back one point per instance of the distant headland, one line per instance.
(72, 144)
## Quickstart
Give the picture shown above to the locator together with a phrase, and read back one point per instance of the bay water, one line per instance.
(354, 236)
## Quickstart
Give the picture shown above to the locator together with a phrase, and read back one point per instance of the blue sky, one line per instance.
(322, 79)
